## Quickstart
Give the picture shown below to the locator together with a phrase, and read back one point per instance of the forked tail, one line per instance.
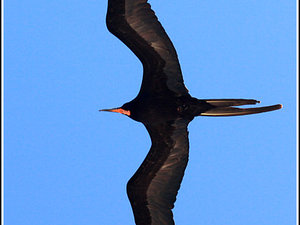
(224, 107)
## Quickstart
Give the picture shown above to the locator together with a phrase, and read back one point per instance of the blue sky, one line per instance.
(67, 163)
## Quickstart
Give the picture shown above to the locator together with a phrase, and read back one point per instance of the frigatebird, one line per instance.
(165, 107)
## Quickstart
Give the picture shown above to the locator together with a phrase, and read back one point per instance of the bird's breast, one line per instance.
(157, 110)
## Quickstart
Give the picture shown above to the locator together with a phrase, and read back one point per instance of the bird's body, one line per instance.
(165, 107)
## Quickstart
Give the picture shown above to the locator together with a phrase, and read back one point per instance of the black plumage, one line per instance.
(165, 107)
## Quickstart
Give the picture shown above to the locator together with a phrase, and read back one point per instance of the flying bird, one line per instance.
(165, 107)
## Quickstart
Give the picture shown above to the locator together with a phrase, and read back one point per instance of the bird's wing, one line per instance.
(153, 188)
(135, 24)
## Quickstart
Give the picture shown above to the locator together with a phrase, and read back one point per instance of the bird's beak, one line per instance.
(118, 110)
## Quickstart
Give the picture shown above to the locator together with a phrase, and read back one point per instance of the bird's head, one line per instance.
(124, 109)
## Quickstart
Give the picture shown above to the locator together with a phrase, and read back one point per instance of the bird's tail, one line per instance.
(224, 107)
